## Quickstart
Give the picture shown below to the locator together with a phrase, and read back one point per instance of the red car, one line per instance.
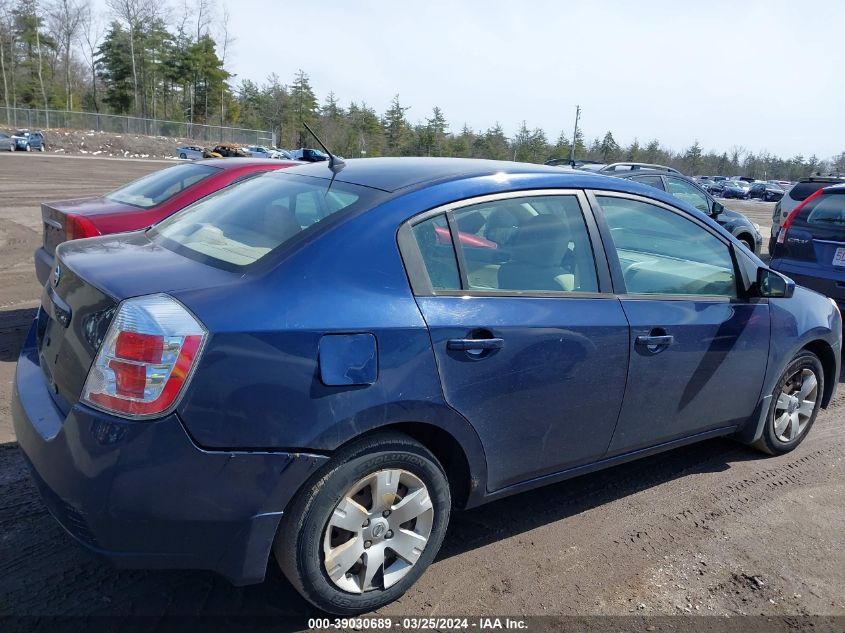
(141, 203)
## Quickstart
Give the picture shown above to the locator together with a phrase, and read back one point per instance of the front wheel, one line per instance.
(365, 529)
(795, 404)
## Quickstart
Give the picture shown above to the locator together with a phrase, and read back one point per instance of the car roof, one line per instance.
(392, 174)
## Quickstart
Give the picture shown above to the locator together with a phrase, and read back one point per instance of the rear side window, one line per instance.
(653, 181)
(438, 253)
(160, 186)
(804, 190)
(239, 225)
(826, 210)
(513, 245)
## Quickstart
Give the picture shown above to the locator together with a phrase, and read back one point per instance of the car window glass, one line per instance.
(804, 190)
(653, 181)
(438, 253)
(536, 243)
(827, 210)
(240, 225)
(663, 253)
(160, 186)
(688, 193)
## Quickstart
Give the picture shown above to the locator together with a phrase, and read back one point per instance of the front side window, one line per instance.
(241, 224)
(663, 253)
(531, 244)
(160, 186)
(688, 193)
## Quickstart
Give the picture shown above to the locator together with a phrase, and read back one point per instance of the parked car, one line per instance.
(734, 189)
(230, 151)
(195, 152)
(697, 196)
(259, 151)
(810, 246)
(765, 191)
(7, 142)
(796, 195)
(139, 204)
(309, 155)
(26, 141)
(252, 375)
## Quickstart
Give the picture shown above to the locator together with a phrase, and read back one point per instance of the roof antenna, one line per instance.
(335, 163)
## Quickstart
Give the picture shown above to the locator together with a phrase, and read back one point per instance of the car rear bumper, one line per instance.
(43, 265)
(142, 494)
(830, 283)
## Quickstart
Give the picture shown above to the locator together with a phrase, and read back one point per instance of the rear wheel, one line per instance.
(362, 533)
(795, 404)
(183, 155)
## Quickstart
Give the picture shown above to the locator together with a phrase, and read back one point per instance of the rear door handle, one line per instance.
(464, 344)
(662, 340)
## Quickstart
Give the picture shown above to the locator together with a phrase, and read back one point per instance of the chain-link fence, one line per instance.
(44, 119)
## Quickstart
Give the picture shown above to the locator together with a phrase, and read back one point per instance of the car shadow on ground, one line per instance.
(43, 572)
(14, 324)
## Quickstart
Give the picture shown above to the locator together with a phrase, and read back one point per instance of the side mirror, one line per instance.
(773, 285)
(717, 209)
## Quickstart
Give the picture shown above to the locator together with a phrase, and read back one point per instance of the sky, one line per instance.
(754, 74)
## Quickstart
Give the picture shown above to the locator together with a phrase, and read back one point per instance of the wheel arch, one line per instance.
(827, 356)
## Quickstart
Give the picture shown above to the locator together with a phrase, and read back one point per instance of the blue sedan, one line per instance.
(320, 364)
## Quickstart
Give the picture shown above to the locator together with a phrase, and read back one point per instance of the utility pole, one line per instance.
(574, 136)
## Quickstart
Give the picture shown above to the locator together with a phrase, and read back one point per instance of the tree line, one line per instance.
(152, 59)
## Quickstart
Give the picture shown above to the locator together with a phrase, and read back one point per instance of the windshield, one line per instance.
(240, 225)
(160, 186)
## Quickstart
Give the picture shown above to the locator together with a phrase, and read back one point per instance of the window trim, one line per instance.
(619, 286)
(418, 274)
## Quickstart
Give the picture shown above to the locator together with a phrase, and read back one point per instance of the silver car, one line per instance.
(7, 142)
(191, 152)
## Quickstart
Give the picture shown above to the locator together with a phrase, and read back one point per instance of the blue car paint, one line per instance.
(257, 417)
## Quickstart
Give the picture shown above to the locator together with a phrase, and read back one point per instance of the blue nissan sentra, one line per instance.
(319, 364)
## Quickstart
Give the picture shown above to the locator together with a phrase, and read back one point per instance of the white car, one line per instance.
(259, 151)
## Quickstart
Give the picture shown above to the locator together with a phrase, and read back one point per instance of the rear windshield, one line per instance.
(804, 190)
(160, 186)
(239, 225)
(828, 209)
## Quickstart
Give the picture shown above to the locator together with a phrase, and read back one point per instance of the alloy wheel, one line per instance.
(378, 531)
(795, 405)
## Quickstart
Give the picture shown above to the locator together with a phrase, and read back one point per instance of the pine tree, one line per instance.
(395, 127)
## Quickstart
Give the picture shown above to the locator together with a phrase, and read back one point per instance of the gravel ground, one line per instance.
(713, 529)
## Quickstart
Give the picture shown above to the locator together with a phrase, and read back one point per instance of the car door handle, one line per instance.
(662, 340)
(464, 344)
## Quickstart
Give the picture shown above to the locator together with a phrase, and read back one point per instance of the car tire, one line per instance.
(749, 243)
(41, 148)
(308, 533)
(783, 434)
(183, 156)
(28, 147)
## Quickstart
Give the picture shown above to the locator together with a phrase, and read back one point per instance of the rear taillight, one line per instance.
(146, 359)
(788, 222)
(78, 226)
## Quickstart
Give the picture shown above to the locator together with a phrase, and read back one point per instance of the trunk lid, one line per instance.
(54, 216)
(89, 280)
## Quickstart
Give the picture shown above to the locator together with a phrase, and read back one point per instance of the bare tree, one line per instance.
(226, 40)
(91, 35)
(5, 24)
(35, 8)
(133, 13)
(66, 19)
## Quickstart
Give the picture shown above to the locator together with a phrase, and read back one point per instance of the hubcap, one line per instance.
(378, 531)
(795, 405)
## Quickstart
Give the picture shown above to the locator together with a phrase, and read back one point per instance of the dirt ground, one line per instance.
(714, 529)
